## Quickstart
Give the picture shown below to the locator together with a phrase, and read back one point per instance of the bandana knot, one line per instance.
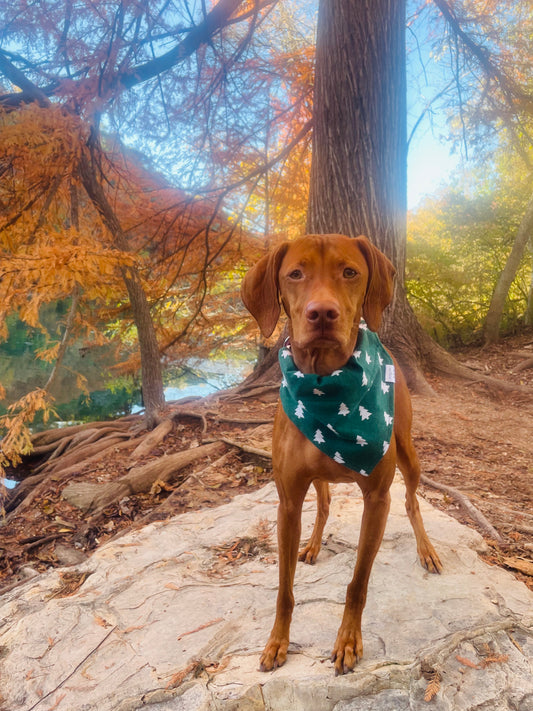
(348, 414)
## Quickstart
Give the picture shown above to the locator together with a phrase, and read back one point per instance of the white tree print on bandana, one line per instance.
(349, 414)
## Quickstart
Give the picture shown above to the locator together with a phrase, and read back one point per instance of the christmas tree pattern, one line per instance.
(347, 414)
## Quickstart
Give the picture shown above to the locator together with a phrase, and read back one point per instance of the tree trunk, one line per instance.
(528, 319)
(359, 165)
(499, 295)
(151, 372)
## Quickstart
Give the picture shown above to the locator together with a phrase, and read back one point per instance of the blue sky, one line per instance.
(430, 161)
(429, 165)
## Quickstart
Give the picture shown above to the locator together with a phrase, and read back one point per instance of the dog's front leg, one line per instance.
(289, 529)
(349, 644)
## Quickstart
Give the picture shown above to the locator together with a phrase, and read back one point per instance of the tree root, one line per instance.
(74, 458)
(192, 413)
(152, 439)
(468, 506)
(524, 365)
(60, 453)
(437, 657)
(94, 498)
(22, 496)
(438, 360)
(166, 508)
(59, 433)
(17, 495)
(250, 390)
(244, 447)
(240, 420)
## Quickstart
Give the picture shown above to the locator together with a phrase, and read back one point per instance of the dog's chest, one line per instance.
(348, 414)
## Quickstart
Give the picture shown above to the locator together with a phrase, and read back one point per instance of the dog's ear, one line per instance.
(380, 283)
(260, 290)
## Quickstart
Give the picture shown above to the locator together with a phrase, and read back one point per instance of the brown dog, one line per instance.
(326, 284)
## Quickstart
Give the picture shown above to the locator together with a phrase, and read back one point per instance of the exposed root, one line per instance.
(94, 498)
(476, 515)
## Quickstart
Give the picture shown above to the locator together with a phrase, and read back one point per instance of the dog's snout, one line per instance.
(322, 312)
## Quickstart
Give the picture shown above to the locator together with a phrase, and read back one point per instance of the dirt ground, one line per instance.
(476, 440)
(480, 441)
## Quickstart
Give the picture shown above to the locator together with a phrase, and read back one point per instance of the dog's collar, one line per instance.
(349, 414)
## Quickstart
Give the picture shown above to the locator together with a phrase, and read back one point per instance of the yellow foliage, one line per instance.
(16, 440)
(81, 383)
(48, 354)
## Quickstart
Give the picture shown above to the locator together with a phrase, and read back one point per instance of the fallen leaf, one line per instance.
(202, 627)
(172, 586)
(133, 628)
(467, 663)
(497, 659)
(100, 621)
(58, 701)
(432, 687)
(516, 644)
(177, 678)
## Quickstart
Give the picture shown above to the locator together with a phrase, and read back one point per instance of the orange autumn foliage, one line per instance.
(182, 248)
(54, 245)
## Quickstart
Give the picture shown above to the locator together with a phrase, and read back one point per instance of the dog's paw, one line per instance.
(348, 651)
(309, 553)
(429, 559)
(274, 654)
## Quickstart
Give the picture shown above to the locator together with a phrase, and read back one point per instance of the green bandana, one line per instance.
(348, 415)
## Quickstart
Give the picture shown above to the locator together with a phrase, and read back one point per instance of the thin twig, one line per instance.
(465, 502)
(69, 676)
(64, 341)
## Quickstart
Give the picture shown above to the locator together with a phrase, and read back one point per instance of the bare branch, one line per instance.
(30, 92)
(511, 90)
(199, 35)
(64, 341)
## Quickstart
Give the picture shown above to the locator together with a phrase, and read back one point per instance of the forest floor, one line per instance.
(476, 440)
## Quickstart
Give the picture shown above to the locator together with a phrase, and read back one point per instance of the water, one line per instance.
(200, 390)
(202, 377)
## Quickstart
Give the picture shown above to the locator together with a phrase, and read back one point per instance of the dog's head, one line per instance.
(325, 283)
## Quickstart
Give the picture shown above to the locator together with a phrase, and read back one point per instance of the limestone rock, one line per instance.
(174, 617)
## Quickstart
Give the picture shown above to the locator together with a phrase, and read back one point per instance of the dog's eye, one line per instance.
(349, 273)
(296, 274)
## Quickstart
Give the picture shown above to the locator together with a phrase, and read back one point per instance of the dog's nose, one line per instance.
(320, 313)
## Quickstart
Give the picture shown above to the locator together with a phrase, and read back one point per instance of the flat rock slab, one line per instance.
(170, 617)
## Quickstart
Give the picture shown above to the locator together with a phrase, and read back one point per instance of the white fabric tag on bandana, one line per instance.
(390, 374)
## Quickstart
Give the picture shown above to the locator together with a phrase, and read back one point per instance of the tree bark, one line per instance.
(359, 165)
(501, 290)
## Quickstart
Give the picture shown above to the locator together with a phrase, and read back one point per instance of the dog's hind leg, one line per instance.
(309, 552)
